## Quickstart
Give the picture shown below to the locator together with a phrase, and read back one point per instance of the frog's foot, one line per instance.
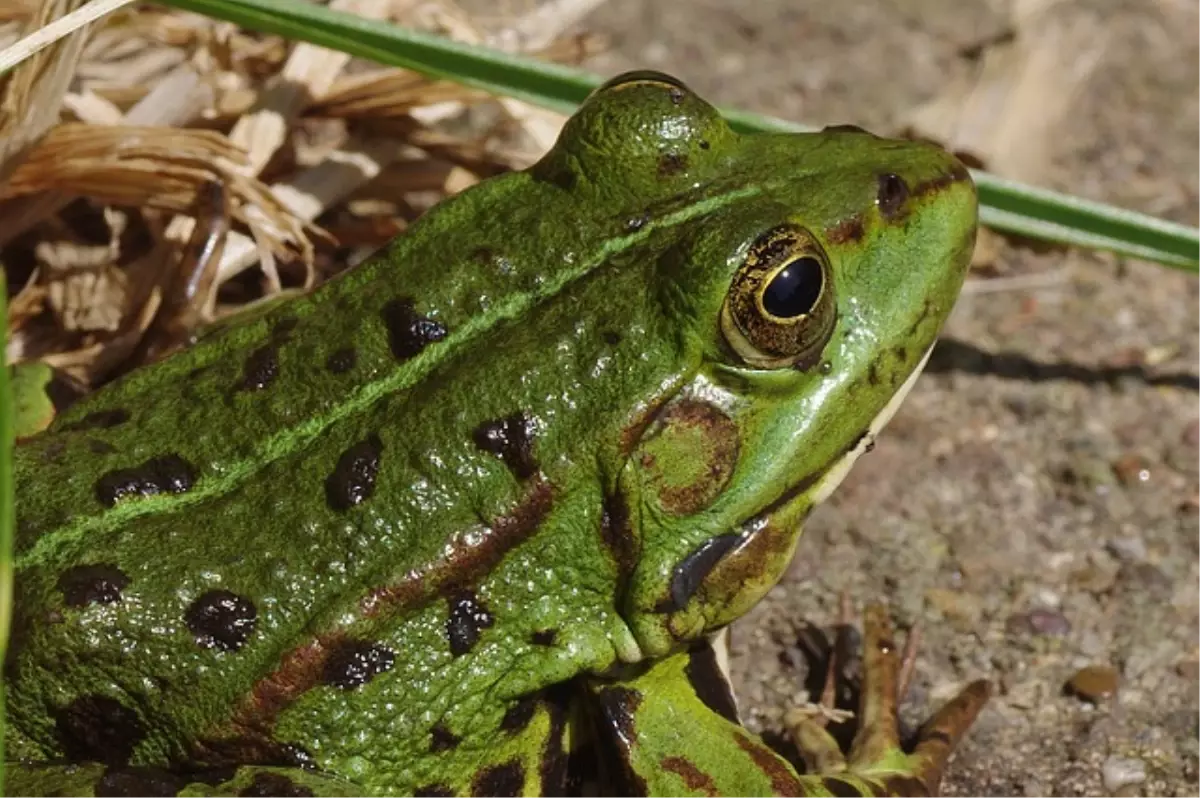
(670, 727)
(877, 764)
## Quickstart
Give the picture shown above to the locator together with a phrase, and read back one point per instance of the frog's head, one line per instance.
(809, 275)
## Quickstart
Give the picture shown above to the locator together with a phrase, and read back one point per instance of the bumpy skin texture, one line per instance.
(372, 530)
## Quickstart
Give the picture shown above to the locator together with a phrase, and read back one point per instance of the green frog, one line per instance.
(464, 520)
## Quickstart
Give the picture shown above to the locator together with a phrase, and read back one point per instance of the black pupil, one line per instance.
(794, 289)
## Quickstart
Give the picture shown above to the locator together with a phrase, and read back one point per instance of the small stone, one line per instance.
(1120, 774)
(1191, 434)
(1094, 683)
(1132, 469)
(1050, 623)
(1188, 669)
(1128, 549)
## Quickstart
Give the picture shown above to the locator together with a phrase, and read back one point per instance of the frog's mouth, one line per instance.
(727, 574)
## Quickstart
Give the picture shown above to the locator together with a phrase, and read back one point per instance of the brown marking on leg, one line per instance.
(695, 779)
(783, 781)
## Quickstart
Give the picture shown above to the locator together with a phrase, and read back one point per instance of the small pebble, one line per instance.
(1094, 683)
(1132, 469)
(1120, 773)
(1191, 433)
(1050, 623)
(1188, 669)
(1128, 549)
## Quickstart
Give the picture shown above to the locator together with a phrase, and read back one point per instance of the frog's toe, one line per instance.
(877, 763)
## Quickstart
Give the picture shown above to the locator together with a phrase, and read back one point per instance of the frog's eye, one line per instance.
(780, 310)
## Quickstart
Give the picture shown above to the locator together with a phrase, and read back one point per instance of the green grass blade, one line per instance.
(7, 513)
(547, 85)
(1005, 205)
(1038, 213)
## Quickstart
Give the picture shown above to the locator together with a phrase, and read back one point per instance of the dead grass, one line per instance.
(112, 140)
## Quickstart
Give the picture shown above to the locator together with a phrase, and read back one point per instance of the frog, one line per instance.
(467, 518)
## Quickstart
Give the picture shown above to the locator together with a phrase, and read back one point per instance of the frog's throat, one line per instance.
(776, 527)
(841, 468)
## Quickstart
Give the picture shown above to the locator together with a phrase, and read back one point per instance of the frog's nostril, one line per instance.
(891, 195)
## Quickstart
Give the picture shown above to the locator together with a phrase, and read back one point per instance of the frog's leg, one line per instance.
(672, 729)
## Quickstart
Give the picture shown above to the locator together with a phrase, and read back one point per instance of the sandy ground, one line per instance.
(1034, 504)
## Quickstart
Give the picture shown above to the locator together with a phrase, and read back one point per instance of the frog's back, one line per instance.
(340, 489)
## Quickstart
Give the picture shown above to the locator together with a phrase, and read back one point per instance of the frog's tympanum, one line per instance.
(463, 520)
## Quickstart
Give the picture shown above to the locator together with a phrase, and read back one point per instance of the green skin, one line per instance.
(457, 493)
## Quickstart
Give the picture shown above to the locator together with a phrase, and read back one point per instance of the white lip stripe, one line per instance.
(839, 471)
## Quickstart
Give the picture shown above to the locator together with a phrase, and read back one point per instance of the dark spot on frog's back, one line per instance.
(691, 571)
(510, 439)
(341, 360)
(442, 739)
(98, 728)
(468, 617)
(260, 369)
(499, 780)
(671, 164)
(100, 419)
(353, 663)
(353, 479)
(544, 637)
(221, 619)
(167, 474)
(408, 331)
(92, 584)
(274, 784)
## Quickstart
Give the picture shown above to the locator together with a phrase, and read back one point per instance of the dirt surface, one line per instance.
(1034, 504)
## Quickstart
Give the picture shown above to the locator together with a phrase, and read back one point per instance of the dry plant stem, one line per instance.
(41, 38)
(173, 102)
(308, 72)
(345, 170)
(189, 284)
(308, 194)
(32, 93)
